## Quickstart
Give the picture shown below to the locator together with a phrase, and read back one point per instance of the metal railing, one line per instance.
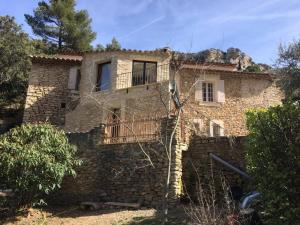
(142, 77)
(146, 129)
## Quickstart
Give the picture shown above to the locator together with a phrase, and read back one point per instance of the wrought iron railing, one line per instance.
(142, 77)
(146, 129)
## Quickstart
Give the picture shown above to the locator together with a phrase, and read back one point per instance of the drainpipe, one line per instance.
(229, 166)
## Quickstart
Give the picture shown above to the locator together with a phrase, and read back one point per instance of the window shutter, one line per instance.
(72, 78)
(211, 128)
(220, 91)
(198, 123)
(198, 91)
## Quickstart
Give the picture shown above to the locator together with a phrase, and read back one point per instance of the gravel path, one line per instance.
(74, 216)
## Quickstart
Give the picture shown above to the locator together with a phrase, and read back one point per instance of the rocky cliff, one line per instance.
(232, 55)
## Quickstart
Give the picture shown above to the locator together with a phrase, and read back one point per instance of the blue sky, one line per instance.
(255, 26)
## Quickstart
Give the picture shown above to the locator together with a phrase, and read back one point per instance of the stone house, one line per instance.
(108, 100)
(78, 92)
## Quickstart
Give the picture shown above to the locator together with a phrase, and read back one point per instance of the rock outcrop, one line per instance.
(232, 55)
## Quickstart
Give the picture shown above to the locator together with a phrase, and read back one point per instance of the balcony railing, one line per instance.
(146, 129)
(142, 77)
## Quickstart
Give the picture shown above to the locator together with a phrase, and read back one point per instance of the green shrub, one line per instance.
(253, 68)
(34, 158)
(273, 158)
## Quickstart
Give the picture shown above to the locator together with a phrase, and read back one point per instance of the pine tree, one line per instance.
(114, 45)
(61, 25)
(99, 47)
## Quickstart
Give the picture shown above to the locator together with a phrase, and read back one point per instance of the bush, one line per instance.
(253, 69)
(273, 157)
(33, 161)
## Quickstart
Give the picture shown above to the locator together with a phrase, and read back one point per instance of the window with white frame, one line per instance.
(216, 128)
(210, 91)
(207, 92)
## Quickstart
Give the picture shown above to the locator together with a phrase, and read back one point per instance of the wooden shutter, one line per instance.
(72, 78)
(220, 91)
(198, 91)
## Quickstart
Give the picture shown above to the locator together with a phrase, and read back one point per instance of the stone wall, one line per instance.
(198, 165)
(122, 172)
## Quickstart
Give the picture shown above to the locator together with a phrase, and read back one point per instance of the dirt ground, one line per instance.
(76, 216)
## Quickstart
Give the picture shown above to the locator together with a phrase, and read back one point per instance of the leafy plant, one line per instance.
(288, 67)
(253, 68)
(14, 60)
(273, 158)
(34, 158)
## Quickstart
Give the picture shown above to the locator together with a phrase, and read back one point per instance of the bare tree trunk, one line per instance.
(169, 157)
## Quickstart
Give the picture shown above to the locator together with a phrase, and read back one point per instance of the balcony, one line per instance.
(143, 76)
(145, 129)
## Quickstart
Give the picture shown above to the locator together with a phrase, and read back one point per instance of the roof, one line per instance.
(59, 57)
(78, 56)
(208, 66)
(156, 51)
(267, 76)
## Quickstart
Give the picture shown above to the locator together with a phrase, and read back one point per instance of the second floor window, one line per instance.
(207, 92)
(103, 77)
(144, 72)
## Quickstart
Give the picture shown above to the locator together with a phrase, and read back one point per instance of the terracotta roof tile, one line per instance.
(61, 57)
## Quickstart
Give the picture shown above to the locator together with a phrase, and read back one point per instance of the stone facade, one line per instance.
(48, 96)
(49, 99)
(133, 102)
(120, 172)
(242, 91)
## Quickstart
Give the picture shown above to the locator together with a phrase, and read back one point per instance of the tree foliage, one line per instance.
(273, 158)
(114, 45)
(288, 65)
(14, 60)
(253, 68)
(59, 24)
(33, 161)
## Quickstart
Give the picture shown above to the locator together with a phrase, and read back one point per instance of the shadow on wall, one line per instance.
(197, 164)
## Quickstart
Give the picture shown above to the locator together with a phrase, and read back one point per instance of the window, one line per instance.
(207, 92)
(103, 77)
(143, 72)
(216, 128)
(74, 78)
(198, 125)
(114, 127)
(78, 78)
